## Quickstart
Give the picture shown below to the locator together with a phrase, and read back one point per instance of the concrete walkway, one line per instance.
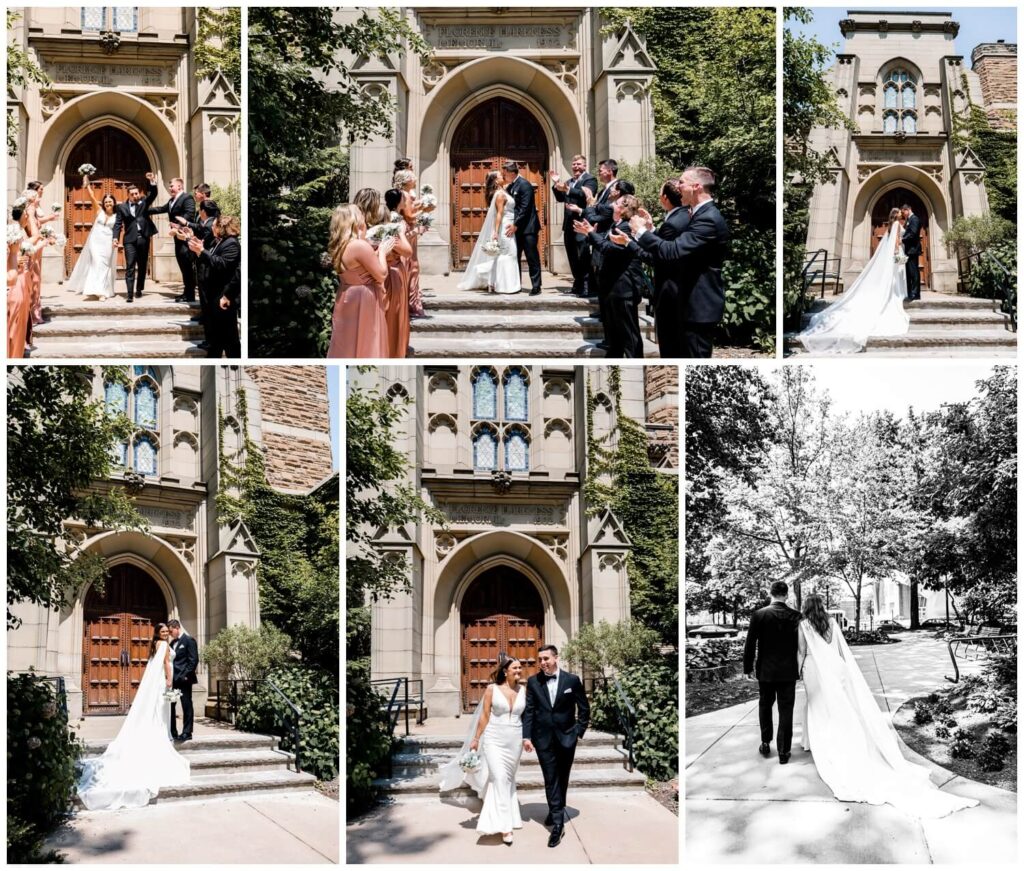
(741, 808)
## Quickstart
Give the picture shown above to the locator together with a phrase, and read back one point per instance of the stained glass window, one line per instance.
(485, 450)
(125, 19)
(116, 398)
(909, 97)
(119, 454)
(890, 97)
(145, 457)
(517, 453)
(145, 405)
(909, 123)
(516, 396)
(485, 396)
(144, 370)
(890, 123)
(92, 17)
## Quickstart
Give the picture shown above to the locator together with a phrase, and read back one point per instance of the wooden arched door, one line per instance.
(502, 612)
(120, 161)
(894, 199)
(495, 131)
(117, 632)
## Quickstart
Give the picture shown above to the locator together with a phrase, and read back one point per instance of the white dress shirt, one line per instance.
(552, 687)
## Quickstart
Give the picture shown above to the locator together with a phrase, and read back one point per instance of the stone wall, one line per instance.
(996, 66)
(295, 421)
(661, 392)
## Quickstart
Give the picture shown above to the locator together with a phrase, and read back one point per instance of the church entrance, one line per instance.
(120, 161)
(894, 199)
(502, 612)
(118, 629)
(495, 131)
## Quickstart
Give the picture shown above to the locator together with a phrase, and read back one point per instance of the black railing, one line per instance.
(982, 643)
(813, 272)
(401, 701)
(625, 713)
(231, 700)
(1005, 289)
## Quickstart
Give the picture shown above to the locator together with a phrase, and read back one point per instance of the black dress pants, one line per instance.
(698, 340)
(136, 262)
(556, 765)
(187, 712)
(913, 276)
(783, 692)
(622, 328)
(668, 323)
(528, 242)
(187, 264)
(577, 248)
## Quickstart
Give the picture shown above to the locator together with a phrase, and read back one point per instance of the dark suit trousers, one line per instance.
(136, 262)
(784, 692)
(578, 250)
(622, 329)
(668, 321)
(556, 765)
(528, 242)
(698, 341)
(913, 276)
(187, 712)
(187, 264)
(223, 332)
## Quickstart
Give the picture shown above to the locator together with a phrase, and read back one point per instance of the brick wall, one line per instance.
(661, 389)
(296, 424)
(996, 66)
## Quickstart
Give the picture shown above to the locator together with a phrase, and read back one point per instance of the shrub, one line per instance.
(653, 691)
(315, 694)
(713, 653)
(986, 279)
(241, 652)
(978, 232)
(986, 700)
(993, 753)
(367, 738)
(922, 713)
(41, 773)
(228, 200)
(866, 636)
(941, 731)
(603, 646)
(962, 745)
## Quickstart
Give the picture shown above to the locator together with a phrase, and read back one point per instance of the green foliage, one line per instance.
(713, 653)
(994, 749)
(229, 199)
(367, 738)
(59, 463)
(21, 70)
(653, 690)
(606, 647)
(922, 713)
(41, 775)
(219, 44)
(240, 652)
(648, 176)
(315, 693)
(971, 233)
(988, 281)
(962, 745)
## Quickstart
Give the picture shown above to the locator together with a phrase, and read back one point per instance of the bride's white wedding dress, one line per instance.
(501, 747)
(141, 759)
(872, 306)
(853, 743)
(95, 271)
(502, 272)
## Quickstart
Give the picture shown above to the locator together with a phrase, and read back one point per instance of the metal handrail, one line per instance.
(1008, 287)
(989, 641)
(625, 713)
(396, 707)
(808, 280)
(296, 711)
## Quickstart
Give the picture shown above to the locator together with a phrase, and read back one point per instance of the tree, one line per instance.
(219, 43)
(21, 70)
(59, 468)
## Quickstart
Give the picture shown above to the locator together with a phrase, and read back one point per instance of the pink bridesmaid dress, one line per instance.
(415, 297)
(358, 327)
(397, 308)
(19, 300)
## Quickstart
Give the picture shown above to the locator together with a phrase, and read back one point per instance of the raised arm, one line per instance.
(92, 194)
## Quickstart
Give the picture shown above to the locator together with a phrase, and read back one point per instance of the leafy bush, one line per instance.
(605, 645)
(713, 653)
(228, 199)
(986, 700)
(941, 731)
(978, 232)
(367, 738)
(653, 691)
(41, 774)
(241, 652)
(993, 753)
(866, 636)
(749, 279)
(647, 176)
(986, 279)
(315, 694)
(962, 745)
(922, 713)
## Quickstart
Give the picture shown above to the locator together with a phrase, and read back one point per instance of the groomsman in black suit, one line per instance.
(181, 205)
(695, 256)
(133, 217)
(912, 248)
(573, 192)
(525, 224)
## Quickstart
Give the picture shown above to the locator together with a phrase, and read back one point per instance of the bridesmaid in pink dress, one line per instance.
(410, 210)
(19, 290)
(398, 281)
(358, 328)
(33, 224)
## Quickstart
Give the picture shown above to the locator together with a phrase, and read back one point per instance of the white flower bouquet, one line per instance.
(27, 248)
(901, 258)
(470, 761)
(47, 232)
(56, 207)
(14, 233)
(87, 169)
(494, 247)
(60, 240)
(20, 203)
(425, 221)
(379, 232)
(427, 198)
(172, 696)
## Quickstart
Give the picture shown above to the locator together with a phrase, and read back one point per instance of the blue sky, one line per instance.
(334, 400)
(977, 24)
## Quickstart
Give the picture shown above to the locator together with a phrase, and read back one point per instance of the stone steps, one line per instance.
(480, 347)
(529, 779)
(239, 785)
(413, 764)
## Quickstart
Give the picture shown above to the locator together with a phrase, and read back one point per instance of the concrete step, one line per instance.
(960, 319)
(487, 347)
(236, 784)
(414, 764)
(510, 325)
(121, 350)
(77, 329)
(440, 743)
(479, 301)
(529, 779)
(120, 309)
(931, 337)
(228, 740)
(239, 761)
(944, 300)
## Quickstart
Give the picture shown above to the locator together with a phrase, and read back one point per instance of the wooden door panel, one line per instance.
(894, 199)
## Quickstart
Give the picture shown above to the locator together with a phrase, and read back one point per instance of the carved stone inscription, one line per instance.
(500, 36)
(503, 514)
(110, 74)
(166, 517)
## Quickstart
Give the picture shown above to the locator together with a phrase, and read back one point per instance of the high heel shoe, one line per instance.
(507, 839)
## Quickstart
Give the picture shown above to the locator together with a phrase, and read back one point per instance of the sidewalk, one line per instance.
(741, 808)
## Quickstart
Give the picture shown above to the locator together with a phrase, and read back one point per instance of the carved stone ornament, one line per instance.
(51, 103)
(110, 41)
(501, 482)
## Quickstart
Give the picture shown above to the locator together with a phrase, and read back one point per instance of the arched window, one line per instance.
(145, 405)
(899, 102)
(144, 459)
(516, 395)
(115, 398)
(517, 451)
(485, 449)
(485, 395)
(139, 402)
(501, 412)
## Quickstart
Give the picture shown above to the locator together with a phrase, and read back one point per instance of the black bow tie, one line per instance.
(544, 678)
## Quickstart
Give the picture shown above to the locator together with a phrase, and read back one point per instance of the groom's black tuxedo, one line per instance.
(669, 298)
(527, 224)
(138, 230)
(912, 248)
(183, 206)
(186, 661)
(553, 729)
(576, 247)
(773, 637)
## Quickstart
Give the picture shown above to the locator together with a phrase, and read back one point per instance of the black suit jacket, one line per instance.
(186, 659)
(219, 264)
(565, 722)
(696, 256)
(526, 219)
(184, 207)
(601, 213)
(665, 278)
(773, 634)
(139, 227)
(576, 197)
(912, 236)
(621, 273)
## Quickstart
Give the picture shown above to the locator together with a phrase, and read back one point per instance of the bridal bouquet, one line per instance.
(901, 258)
(470, 761)
(427, 198)
(172, 696)
(14, 233)
(87, 169)
(494, 247)
(379, 232)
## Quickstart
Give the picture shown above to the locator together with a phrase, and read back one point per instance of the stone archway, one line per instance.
(896, 198)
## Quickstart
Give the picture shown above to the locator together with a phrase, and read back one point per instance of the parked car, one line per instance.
(935, 624)
(711, 631)
(890, 626)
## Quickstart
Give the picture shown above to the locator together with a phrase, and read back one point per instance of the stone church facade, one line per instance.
(536, 85)
(523, 559)
(187, 564)
(902, 82)
(125, 97)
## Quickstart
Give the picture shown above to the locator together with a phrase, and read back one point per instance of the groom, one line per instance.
(133, 217)
(773, 634)
(912, 248)
(186, 661)
(556, 716)
(525, 223)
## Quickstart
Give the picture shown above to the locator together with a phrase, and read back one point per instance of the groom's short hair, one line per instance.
(613, 165)
(550, 647)
(907, 207)
(510, 166)
(173, 624)
(780, 589)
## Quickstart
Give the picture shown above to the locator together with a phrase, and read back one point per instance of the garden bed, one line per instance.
(666, 793)
(701, 698)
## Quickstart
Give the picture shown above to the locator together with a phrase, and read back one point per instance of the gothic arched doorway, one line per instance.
(120, 161)
(493, 132)
(502, 612)
(894, 199)
(117, 631)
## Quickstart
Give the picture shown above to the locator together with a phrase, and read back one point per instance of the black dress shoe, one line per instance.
(186, 737)
(203, 346)
(175, 737)
(604, 346)
(783, 758)
(535, 292)
(764, 750)
(138, 293)
(556, 836)
(130, 298)
(183, 298)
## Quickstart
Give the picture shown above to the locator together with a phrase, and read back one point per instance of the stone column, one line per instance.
(623, 120)
(604, 581)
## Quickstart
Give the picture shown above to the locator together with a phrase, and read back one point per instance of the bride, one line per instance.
(497, 732)
(141, 758)
(497, 271)
(95, 271)
(854, 744)
(873, 306)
